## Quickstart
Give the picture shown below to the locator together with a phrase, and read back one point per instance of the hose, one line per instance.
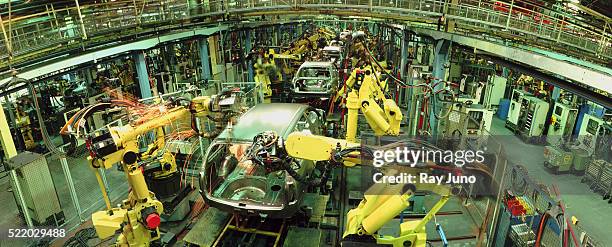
(41, 123)
(541, 229)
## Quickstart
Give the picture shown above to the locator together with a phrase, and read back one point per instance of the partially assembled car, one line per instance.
(232, 182)
(315, 80)
(333, 53)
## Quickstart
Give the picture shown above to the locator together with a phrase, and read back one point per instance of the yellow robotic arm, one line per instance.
(262, 77)
(380, 204)
(366, 91)
(138, 218)
(303, 44)
(296, 144)
(375, 90)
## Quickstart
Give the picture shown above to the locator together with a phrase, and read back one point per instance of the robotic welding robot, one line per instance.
(138, 217)
(380, 204)
(367, 92)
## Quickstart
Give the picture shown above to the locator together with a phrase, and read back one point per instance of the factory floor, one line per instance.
(594, 213)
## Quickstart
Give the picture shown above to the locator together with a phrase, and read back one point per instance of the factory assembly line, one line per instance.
(248, 173)
(318, 126)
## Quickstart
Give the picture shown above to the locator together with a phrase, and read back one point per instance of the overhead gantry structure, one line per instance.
(579, 48)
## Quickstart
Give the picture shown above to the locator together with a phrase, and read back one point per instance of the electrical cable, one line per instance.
(422, 84)
(43, 128)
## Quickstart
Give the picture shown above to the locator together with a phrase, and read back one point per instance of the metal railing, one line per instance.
(31, 36)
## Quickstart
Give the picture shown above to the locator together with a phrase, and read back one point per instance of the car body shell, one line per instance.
(315, 79)
(253, 191)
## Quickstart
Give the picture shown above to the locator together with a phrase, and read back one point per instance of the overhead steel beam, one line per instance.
(567, 85)
(596, 77)
(124, 48)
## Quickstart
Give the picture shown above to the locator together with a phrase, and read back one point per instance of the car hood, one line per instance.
(278, 117)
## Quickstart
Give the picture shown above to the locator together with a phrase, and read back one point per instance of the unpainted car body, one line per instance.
(232, 183)
(315, 80)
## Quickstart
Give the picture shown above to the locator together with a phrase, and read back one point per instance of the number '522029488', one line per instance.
(36, 233)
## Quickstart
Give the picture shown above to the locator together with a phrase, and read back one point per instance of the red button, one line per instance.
(153, 221)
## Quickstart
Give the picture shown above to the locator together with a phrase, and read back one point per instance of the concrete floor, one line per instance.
(594, 213)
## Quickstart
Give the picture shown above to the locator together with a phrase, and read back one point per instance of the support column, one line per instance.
(510, 14)
(390, 46)
(143, 75)
(172, 69)
(247, 50)
(300, 29)
(205, 59)
(83, 31)
(6, 39)
(441, 58)
(404, 56)
(277, 32)
(5, 137)
(405, 97)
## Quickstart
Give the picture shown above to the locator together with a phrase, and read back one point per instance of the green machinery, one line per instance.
(34, 190)
(562, 123)
(473, 120)
(495, 89)
(515, 108)
(589, 131)
(558, 157)
(561, 156)
(532, 117)
(580, 161)
(561, 159)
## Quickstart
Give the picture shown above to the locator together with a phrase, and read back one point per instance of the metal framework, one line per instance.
(32, 36)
